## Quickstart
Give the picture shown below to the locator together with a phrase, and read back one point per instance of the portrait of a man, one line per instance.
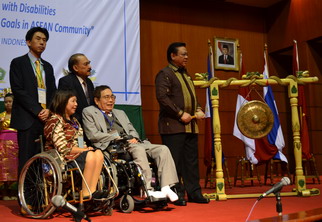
(225, 58)
(226, 54)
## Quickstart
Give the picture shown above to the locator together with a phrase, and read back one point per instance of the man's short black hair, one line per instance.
(33, 30)
(225, 46)
(173, 48)
(99, 89)
(73, 60)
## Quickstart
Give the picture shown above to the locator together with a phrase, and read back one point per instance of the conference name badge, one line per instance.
(80, 140)
(42, 96)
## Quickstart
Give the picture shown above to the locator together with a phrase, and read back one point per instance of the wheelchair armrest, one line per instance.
(60, 161)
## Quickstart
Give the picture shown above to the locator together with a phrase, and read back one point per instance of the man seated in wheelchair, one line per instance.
(64, 133)
(103, 124)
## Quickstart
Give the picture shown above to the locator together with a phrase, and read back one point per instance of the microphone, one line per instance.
(276, 188)
(59, 201)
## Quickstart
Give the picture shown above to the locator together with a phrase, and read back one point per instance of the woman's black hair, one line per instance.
(59, 102)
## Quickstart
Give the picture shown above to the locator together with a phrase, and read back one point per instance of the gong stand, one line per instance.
(292, 83)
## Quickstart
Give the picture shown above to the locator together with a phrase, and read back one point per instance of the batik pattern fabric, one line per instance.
(8, 150)
(61, 135)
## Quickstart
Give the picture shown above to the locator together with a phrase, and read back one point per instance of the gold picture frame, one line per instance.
(226, 53)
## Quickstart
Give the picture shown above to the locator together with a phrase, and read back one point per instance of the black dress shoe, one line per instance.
(180, 202)
(178, 189)
(96, 195)
(198, 199)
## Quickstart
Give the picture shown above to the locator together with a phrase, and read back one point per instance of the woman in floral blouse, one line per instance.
(64, 133)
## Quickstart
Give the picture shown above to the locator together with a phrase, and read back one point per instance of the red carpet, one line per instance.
(230, 210)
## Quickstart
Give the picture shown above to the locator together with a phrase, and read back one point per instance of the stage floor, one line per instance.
(229, 210)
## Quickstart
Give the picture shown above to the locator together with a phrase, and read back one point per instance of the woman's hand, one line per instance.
(86, 148)
(90, 148)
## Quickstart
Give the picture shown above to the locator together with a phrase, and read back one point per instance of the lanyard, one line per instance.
(73, 124)
(109, 122)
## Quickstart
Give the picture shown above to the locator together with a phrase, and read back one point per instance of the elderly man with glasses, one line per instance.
(103, 124)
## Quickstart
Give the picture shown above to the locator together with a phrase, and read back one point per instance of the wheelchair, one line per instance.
(46, 175)
(132, 189)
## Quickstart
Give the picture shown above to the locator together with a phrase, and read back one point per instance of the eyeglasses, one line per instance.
(108, 97)
(183, 54)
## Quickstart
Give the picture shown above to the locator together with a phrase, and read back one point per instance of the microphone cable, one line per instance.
(251, 211)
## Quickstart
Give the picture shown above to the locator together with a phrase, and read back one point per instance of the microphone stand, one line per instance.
(78, 218)
(278, 204)
(81, 208)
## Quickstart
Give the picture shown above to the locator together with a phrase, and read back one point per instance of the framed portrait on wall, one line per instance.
(226, 54)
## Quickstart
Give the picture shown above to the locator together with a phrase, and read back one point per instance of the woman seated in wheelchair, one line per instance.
(64, 133)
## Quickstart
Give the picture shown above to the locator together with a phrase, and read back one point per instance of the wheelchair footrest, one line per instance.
(154, 199)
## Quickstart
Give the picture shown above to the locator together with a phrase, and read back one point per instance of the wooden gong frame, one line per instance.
(292, 83)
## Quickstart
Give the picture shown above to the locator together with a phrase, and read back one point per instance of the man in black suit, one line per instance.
(79, 70)
(225, 58)
(32, 82)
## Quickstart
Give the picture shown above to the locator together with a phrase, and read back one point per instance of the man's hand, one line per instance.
(200, 114)
(43, 114)
(133, 141)
(186, 117)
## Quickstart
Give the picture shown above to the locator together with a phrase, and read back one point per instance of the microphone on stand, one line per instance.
(276, 188)
(59, 201)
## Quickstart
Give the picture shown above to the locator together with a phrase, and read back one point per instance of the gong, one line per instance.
(255, 119)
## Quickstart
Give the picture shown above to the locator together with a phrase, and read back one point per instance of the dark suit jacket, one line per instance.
(25, 108)
(229, 60)
(71, 82)
(170, 97)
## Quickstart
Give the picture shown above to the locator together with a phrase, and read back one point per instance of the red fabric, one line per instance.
(304, 131)
(264, 150)
(305, 138)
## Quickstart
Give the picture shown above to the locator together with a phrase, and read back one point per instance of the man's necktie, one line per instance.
(86, 92)
(40, 80)
(225, 59)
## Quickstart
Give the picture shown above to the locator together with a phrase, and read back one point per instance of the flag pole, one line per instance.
(296, 68)
(211, 57)
(209, 138)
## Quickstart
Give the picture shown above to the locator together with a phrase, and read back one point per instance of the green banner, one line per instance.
(135, 115)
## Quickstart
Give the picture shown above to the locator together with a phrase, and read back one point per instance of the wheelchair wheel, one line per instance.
(126, 204)
(40, 180)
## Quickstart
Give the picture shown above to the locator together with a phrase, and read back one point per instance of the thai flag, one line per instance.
(275, 137)
(257, 150)
(242, 98)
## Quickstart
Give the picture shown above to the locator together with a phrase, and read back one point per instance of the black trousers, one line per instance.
(184, 150)
(26, 142)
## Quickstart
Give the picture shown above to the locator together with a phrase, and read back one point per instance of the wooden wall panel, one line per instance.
(297, 19)
(301, 20)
